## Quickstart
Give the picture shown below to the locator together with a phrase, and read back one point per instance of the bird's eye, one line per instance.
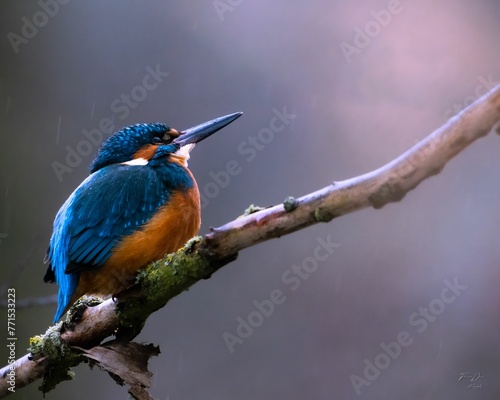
(156, 140)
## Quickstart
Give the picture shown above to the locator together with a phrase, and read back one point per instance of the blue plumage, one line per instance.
(136, 176)
(112, 203)
(121, 146)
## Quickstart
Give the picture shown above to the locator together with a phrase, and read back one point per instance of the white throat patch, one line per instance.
(183, 154)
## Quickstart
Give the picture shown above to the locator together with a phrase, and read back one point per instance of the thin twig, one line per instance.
(31, 302)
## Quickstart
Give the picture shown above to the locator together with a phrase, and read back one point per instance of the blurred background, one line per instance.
(356, 84)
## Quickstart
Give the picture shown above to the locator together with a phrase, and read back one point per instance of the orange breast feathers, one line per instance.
(166, 232)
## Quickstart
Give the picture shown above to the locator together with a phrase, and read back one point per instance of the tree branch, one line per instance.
(61, 347)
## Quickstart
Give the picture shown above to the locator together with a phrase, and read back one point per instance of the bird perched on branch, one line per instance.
(139, 203)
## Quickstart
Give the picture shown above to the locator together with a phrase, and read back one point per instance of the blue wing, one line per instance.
(110, 206)
(111, 203)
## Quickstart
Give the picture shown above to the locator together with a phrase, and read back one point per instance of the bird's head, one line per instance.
(140, 143)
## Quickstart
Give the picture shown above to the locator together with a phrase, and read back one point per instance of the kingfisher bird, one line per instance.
(139, 203)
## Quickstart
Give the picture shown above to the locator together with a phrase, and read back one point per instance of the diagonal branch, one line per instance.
(61, 346)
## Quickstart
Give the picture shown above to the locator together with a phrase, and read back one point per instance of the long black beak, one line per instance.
(199, 132)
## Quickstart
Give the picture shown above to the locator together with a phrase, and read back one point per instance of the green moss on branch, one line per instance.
(164, 279)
